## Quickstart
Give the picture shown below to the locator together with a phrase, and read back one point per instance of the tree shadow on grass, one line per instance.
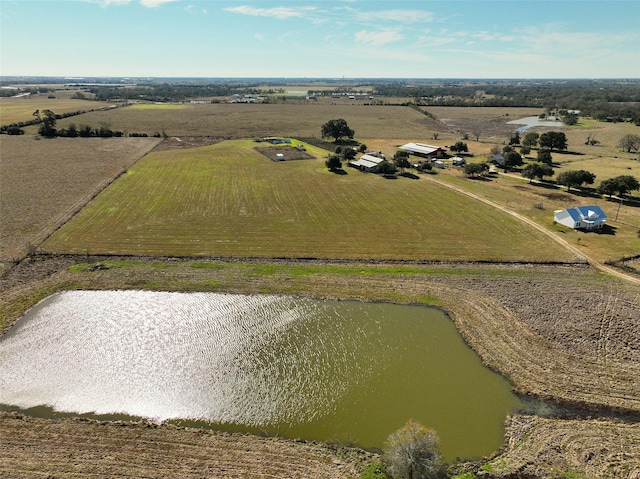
(339, 171)
(605, 230)
(626, 201)
(409, 175)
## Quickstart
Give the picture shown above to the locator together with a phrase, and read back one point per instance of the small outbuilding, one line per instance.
(368, 163)
(581, 217)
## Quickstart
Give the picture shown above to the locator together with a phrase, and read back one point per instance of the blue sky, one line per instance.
(321, 39)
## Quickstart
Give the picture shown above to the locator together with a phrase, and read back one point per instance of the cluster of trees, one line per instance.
(620, 185)
(575, 178)
(459, 147)
(474, 170)
(552, 140)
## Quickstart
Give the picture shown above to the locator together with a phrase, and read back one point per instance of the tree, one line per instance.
(412, 452)
(607, 187)
(515, 139)
(511, 158)
(386, 168)
(544, 156)
(626, 183)
(537, 170)
(337, 129)
(48, 123)
(475, 169)
(554, 140)
(495, 150)
(629, 143)
(348, 154)
(333, 163)
(620, 184)
(569, 118)
(459, 147)
(401, 160)
(531, 139)
(575, 178)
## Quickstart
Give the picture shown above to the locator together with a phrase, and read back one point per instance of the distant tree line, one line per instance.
(604, 100)
(168, 92)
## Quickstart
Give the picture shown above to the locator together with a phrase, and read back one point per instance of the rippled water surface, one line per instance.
(340, 371)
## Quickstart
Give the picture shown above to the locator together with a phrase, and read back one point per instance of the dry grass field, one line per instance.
(255, 120)
(13, 110)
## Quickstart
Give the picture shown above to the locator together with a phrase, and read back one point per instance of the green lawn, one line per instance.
(229, 200)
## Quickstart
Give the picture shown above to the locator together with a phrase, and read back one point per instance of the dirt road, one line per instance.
(579, 253)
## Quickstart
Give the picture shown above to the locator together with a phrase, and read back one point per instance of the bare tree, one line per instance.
(412, 452)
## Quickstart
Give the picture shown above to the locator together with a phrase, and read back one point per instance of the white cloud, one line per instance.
(259, 37)
(403, 16)
(155, 3)
(378, 38)
(281, 13)
(146, 3)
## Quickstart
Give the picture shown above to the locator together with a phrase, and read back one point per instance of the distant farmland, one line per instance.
(256, 120)
(229, 200)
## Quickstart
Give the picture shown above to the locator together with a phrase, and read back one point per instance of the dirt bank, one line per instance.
(32, 447)
(544, 447)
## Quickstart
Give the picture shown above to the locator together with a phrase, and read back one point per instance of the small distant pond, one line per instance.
(531, 121)
(338, 371)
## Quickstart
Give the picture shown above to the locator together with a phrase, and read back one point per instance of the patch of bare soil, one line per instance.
(288, 153)
(32, 447)
(174, 142)
(482, 128)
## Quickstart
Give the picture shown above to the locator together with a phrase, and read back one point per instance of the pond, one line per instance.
(339, 371)
(531, 121)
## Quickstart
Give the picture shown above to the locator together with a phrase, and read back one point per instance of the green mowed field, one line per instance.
(228, 199)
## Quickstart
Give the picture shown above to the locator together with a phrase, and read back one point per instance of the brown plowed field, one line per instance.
(44, 182)
(31, 447)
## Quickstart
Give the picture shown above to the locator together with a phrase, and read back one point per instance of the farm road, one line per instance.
(596, 264)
